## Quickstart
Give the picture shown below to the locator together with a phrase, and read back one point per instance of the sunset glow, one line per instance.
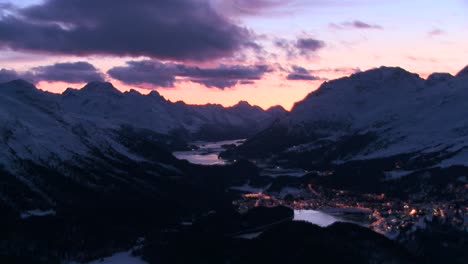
(323, 39)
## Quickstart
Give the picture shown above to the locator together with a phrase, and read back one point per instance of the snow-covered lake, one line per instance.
(208, 152)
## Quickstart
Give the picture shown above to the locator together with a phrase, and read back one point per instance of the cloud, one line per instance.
(355, 24)
(338, 70)
(435, 32)
(167, 74)
(216, 83)
(250, 7)
(422, 59)
(299, 73)
(309, 45)
(72, 72)
(286, 46)
(164, 29)
(141, 72)
(301, 46)
(8, 75)
(275, 8)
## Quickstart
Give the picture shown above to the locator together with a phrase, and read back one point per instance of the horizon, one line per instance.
(212, 131)
(265, 52)
(145, 92)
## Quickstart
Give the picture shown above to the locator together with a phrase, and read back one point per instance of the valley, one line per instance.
(207, 184)
(233, 132)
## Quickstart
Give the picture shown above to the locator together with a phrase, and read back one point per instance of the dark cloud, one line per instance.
(307, 46)
(141, 72)
(302, 46)
(166, 74)
(302, 77)
(216, 83)
(286, 46)
(74, 72)
(299, 73)
(11, 75)
(300, 70)
(167, 29)
(339, 70)
(356, 24)
(8, 75)
(249, 7)
(273, 8)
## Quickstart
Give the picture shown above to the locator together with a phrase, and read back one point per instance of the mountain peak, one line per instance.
(245, 106)
(101, 87)
(278, 109)
(19, 86)
(242, 104)
(70, 91)
(438, 77)
(156, 95)
(463, 72)
(385, 73)
(133, 92)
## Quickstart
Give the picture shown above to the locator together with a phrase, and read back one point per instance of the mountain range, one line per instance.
(383, 113)
(41, 126)
(99, 138)
(88, 172)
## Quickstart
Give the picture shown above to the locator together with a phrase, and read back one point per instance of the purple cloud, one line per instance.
(141, 72)
(166, 74)
(216, 83)
(302, 46)
(435, 32)
(339, 70)
(356, 24)
(249, 7)
(286, 46)
(165, 29)
(72, 72)
(299, 73)
(8, 75)
(309, 45)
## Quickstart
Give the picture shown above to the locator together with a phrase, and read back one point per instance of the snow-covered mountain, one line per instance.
(57, 147)
(35, 123)
(152, 111)
(379, 113)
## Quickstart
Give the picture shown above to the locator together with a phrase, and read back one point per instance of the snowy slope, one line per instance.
(47, 128)
(93, 138)
(103, 101)
(404, 113)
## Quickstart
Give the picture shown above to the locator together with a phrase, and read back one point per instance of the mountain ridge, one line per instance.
(401, 113)
(96, 96)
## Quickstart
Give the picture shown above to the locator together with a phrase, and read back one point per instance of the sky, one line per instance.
(266, 52)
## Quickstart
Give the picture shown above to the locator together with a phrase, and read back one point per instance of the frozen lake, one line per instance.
(316, 217)
(329, 216)
(207, 152)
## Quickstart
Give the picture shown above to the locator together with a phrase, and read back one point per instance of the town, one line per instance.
(386, 215)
